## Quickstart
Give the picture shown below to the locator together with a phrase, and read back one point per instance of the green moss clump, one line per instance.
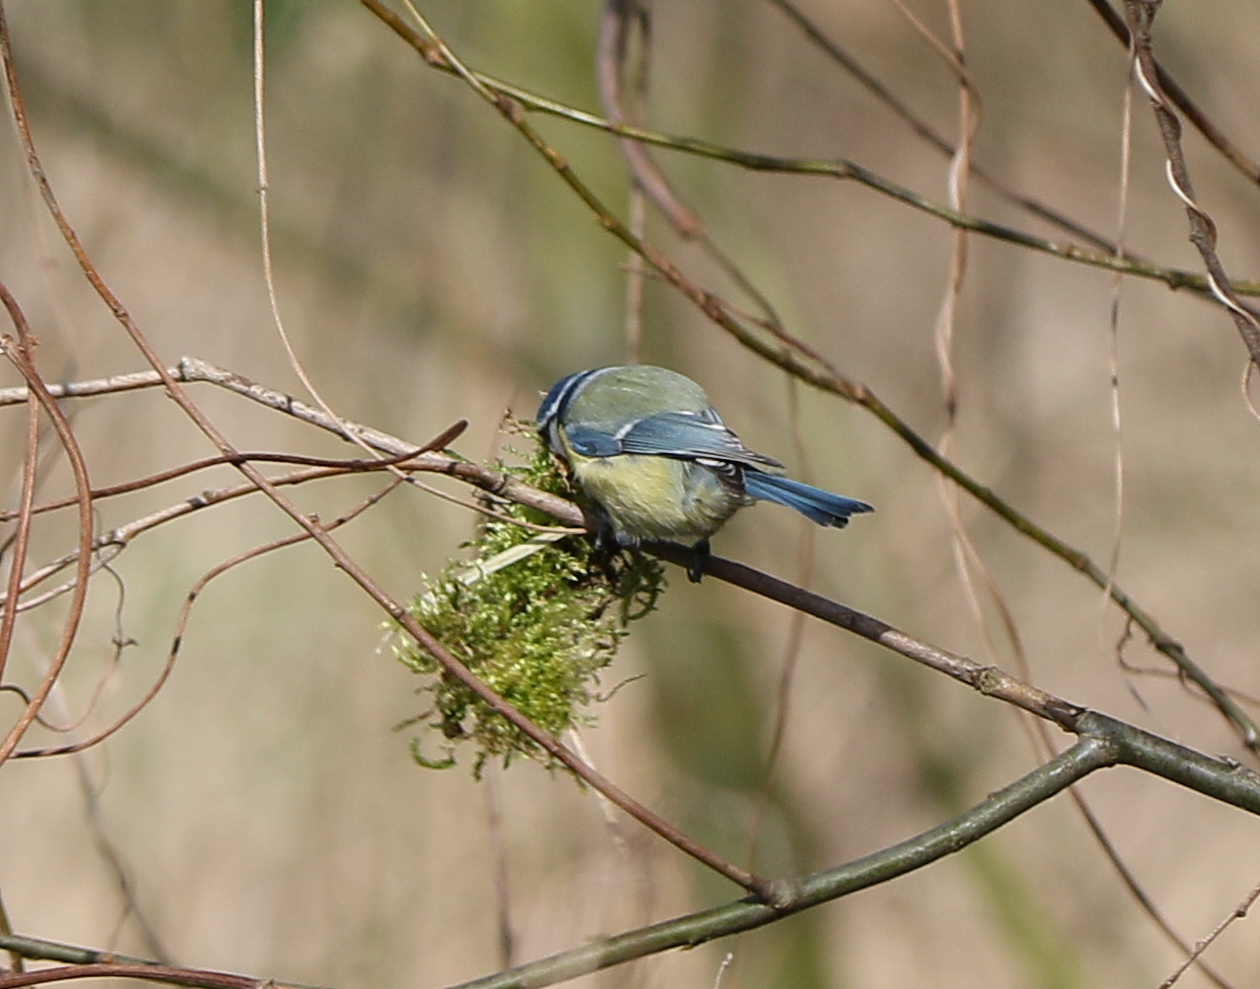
(537, 619)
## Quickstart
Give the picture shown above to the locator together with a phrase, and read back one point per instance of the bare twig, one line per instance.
(333, 466)
(24, 512)
(615, 27)
(458, 670)
(917, 125)
(1238, 913)
(145, 972)
(516, 100)
(185, 612)
(1213, 134)
(22, 357)
(806, 364)
(1141, 14)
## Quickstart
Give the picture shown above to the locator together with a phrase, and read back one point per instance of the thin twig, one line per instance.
(1201, 121)
(395, 610)
(917, 125)
(1141, 14)
(615, 26)
(185, 612)
(118, 538)
(520, 100)
(334, 466)
(22, 358)
(1238, 913)
(24, 513)
(808, 365)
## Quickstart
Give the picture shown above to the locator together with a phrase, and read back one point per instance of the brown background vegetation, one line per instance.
(430, 268)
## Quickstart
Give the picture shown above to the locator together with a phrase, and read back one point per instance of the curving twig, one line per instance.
(615, 25)
(185, 612)
(1181, 99)
(1141, 14)
(521, 100)
(22, 357)
(808, 365)
(394, 609)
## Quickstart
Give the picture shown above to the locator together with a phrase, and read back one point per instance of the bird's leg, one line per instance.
(695, 567)
(604, 550)
(603, 541)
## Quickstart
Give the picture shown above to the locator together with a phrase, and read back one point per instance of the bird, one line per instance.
(658, 464)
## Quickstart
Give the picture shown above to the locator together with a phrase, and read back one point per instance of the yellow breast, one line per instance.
(657, 498)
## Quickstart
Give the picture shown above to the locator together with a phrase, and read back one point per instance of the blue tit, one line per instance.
(658, 463)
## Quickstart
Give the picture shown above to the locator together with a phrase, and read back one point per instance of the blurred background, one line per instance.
(431, 267)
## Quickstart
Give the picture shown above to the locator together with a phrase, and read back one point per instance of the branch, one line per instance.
(1102, 744)
(920, 127)
(311, 525)
(1202, 123)
(1141, 15)
(185, 612)
(22, 357)
(793, 356)
(836, 168)
(84, 963)
(987, 679)
(818, 373)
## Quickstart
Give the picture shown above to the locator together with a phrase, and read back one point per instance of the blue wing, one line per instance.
(684, 435)
(689, 436)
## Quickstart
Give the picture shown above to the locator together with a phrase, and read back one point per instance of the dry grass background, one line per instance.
(430, 268)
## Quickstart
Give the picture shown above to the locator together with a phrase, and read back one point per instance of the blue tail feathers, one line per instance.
(814, 503)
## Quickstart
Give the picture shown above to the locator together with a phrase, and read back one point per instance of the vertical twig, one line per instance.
(1141, 14)
(22, 357)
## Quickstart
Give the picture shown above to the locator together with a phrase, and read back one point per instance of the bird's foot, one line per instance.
(699, 556)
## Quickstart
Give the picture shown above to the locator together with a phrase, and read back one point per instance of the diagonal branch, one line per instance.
(1104, 742)
(506, 95)
(817, 372)
(796, 358)
(1097, 749)
(318, 533)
